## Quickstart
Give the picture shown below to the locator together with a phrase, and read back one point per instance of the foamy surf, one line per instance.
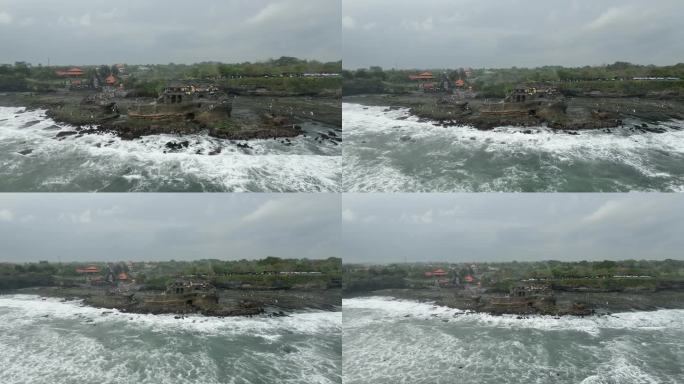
(388, 308)
(48, 340)
(402, 341)
(382, 144)
(33, 159)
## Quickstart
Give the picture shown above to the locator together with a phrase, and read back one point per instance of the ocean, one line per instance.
(33, 159)
(391, 151)
(399, 341)
(54, 342)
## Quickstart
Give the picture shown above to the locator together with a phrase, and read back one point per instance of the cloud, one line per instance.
(507, 227)
(628, 212)
(450, 211)
(348, 22)
(97, 32)
(369, 26)
(6, 215)
(83, 217)
(270, 13)
(504, 33)
(264, 211)
(420, 26)
(348, 215)
(109, 211)
(5, 18)
(82, 21)
(421, 218)
(27, 219)
(611, 17)
(606, 211)
(168, 226)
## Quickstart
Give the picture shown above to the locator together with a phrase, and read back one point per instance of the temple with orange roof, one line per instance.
(425, 76)
(71, 72)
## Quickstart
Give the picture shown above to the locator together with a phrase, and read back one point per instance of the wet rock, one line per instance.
(215, 152)
(177, 146)
(244, 146)
(30, 124)
(405, 138)
(66, 133)
(25, 152)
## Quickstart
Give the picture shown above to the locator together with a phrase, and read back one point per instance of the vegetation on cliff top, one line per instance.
(149, 80)
(615, 78)
(156, 275)
(502, 276)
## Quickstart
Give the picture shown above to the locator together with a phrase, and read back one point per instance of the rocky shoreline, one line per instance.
(271, 303)
(569, 115)
(562, 303)
(253, 119)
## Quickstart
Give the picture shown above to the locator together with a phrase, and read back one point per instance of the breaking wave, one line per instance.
(392, 151)
(48, 340)
(402, 341)
(34, 159)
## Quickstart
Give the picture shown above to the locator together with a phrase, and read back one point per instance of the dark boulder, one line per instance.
(66, 133)
(177, 146)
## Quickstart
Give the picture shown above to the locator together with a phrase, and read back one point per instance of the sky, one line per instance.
(507, 33)
(86, 32)
(388, 228)
(157, 227)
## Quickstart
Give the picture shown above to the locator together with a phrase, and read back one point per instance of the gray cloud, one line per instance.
(163, 31)
(507, 227)
(505, 33)
(80, 227)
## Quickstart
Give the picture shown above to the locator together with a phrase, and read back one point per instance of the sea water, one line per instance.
(400, 341)
(47, 340)
(391, 151)
(32, 158)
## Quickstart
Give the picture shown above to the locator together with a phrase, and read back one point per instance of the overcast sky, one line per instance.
(113, 227)
(163, 31)
(383, 228)
(506, 33)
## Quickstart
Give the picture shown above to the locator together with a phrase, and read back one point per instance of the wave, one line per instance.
(387, 308)
(403, 341)
(32, 308)
(106, 162)
(47, 340)
(457, 158)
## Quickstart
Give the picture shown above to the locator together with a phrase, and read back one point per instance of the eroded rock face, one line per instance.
(206, 304)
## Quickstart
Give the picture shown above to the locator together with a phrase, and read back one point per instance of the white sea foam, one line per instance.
(387, 340)
(46, 340)
(386, 308)
(369, 130)
(268, 166)
(32, 308)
